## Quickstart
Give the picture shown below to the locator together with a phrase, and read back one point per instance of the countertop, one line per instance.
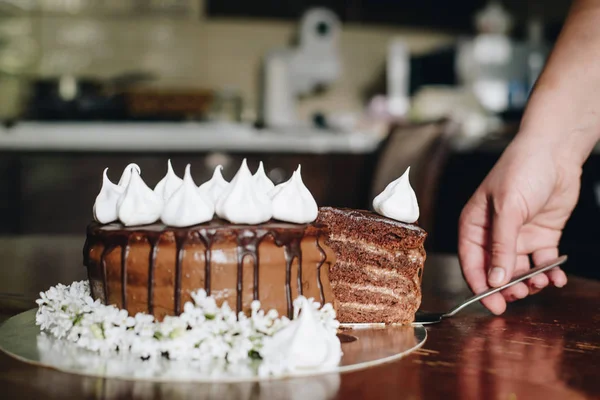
(179, 137)
(545, 347)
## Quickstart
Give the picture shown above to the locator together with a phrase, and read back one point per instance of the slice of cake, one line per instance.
(377, 275)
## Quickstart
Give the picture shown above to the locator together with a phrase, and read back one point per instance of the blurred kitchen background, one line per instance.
(353, 90)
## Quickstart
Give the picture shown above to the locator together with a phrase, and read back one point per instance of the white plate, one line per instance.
(368, 346)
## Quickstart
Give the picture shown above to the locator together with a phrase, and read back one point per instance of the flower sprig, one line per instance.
(203, 332)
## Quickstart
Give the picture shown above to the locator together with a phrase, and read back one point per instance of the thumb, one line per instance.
(506, 224)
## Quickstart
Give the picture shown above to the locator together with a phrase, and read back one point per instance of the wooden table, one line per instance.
(544, 347)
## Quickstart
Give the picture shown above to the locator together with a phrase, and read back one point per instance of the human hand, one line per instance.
(519, 210)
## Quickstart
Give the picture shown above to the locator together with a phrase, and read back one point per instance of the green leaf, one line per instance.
(77, 319)
(254, 355)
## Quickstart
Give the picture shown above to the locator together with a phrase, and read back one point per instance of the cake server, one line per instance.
(426, 318)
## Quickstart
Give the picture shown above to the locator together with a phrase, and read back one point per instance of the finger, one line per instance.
(471, 243)
(472, 259)
(496, 303)
(537, 283)
(471, 251)
(506, 223)
(556, 276)
(519, 290)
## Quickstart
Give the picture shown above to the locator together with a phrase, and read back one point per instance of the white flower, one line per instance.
(214, 337)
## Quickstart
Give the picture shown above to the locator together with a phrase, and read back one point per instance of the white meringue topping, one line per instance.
(304, 343)
(187, 206)
(124, 181)
(241, 202)
(398, 201)
(139, 205)
(105, 207)
(261, 179)
(293, 202)
(215, 186)
(169, 184)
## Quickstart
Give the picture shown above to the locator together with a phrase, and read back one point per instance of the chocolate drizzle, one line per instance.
(207, 237)
(247, 246)
(292, 251)
(180, 243)
(299, 257)
(151, 266)
(247, 240)
(321, 262)
(105, 251)
(124, 254)
(288, 279)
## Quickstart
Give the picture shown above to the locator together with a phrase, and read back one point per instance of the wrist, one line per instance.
(572, 148)
(568, 134)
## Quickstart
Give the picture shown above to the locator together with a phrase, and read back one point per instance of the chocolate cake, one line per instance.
(154, 268)
(224, 237)
(377, 274)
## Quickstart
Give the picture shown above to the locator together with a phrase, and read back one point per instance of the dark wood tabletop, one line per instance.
(546, 347)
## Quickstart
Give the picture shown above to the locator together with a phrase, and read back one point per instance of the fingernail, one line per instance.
(496, 276)
(559, 285)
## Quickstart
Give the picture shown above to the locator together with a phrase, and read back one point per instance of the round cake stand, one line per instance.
(364, 347)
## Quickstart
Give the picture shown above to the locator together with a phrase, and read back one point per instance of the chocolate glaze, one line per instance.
(180, 240)
(321, 262)
(151, 266)
(105, 251)
(124, 254)
(247, 246)
(214, 236)
(207, 238)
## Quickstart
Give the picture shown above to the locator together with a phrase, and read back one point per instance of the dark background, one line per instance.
(449, 15)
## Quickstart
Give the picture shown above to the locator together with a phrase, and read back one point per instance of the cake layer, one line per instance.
(154, 268)
(379, 265)
(379, 231)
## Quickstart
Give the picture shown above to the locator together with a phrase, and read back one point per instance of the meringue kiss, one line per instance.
(169, 184)
(261, 179)
(241, 202)
(398, 201)
(105, 207)
(304, 343)
(126, 176)
(187, 206)
(293, 202)
(139, 205)
(215, 186)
